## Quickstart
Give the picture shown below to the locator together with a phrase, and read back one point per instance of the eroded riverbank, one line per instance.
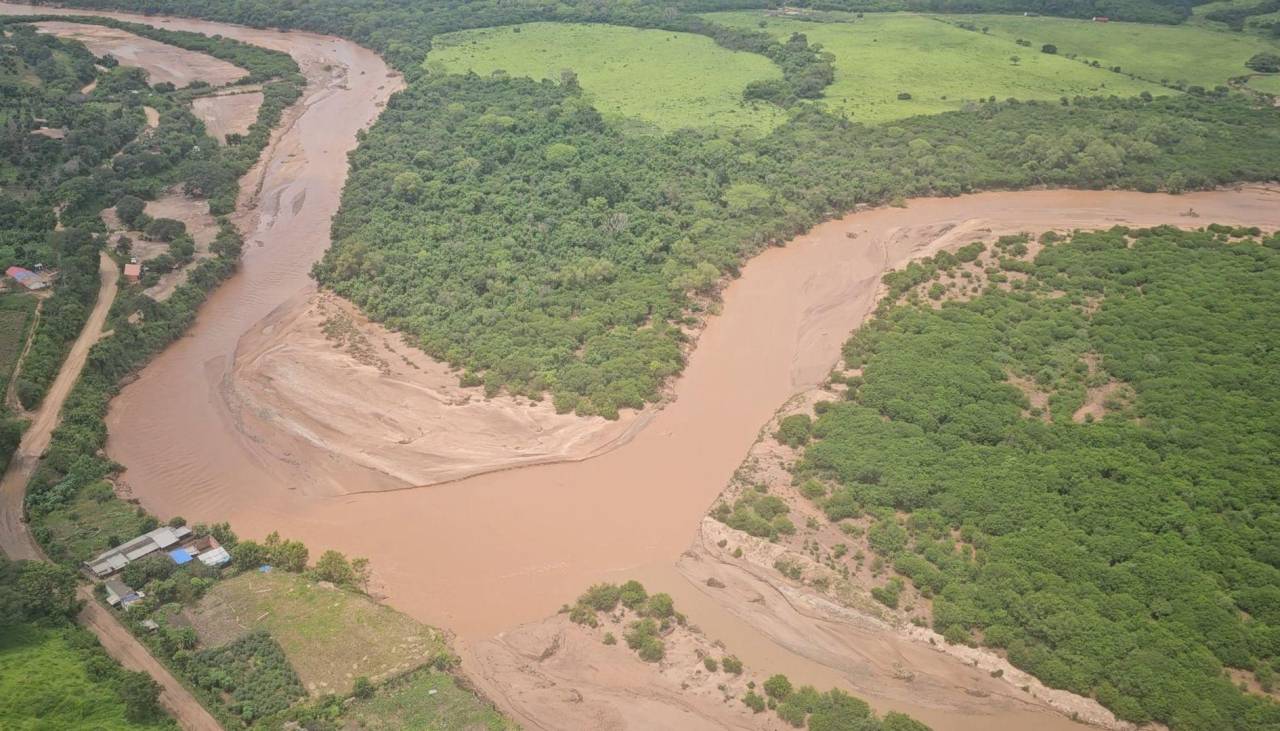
(488, 553)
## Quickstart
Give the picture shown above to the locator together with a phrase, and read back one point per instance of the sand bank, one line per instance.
(162, 62)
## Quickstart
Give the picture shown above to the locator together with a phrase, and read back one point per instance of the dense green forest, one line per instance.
(510, 231)
(55, 675)
(507, 230)
(1131, 557)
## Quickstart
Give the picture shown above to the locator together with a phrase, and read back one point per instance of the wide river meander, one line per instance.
(492, 551)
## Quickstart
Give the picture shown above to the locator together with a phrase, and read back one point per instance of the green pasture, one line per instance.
(44, 684)
(409, 703)
(1192, 54)
(940, 65)
(667, 80)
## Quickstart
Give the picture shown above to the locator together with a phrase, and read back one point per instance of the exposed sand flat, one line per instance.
(161, 62)
(496, 551)
(318, 373)
(521, 541)
(225, 114)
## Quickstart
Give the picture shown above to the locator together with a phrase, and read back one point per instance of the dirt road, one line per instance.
(486, 554)
(14, 539)
(130, 653)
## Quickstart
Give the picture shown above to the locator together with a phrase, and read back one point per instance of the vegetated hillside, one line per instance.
(1074, 458)
(634, 77)
(894, 65)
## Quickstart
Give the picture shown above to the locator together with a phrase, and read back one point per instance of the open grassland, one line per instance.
(330, 636)
(668, 80)
(940, 65)
(15, 318)
(44, 684)
(408, 703)
(1189, 54)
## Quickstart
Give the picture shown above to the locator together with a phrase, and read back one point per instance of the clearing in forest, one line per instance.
(941, 66)
(664, 79)
(331, 636)
(1192, 55)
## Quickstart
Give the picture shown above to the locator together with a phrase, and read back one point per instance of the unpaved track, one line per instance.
(16, 540)
(488, 553)
(127, 651)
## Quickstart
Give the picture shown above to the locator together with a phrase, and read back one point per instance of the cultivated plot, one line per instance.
(938, 66)
(664, 79)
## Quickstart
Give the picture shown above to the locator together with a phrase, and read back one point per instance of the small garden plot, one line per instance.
(331, 636)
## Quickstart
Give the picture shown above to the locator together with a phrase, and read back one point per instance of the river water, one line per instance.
(490, 552)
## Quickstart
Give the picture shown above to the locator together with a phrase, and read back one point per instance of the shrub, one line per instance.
(632, 595)
(710, 664)
(1264, 63)
(778, 687)
(164, 229)
(362, 688)
(754, 701)
(601, 597)
(1048, 48)
(794, 430)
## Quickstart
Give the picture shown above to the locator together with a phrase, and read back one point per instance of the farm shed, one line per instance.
(111, 561)
(25, 277)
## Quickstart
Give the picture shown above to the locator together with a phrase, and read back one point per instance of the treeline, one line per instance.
(38, 605)
(1133, 558)
(1237, 16)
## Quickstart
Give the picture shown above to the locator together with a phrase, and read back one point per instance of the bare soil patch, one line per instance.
(323, 374)
(225, 114)
(162, 62)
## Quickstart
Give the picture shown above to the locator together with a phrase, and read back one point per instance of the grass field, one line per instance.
(15, 318)
(44, 685)
(668, 80)
(408, 703)
(91, 523)
(1191, 54)
(330, 636)
(941, 66)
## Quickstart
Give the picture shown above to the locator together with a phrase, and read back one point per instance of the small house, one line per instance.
(133, 271)
(25, 277)
(120, 594)
(1101, 19)
(109, 562)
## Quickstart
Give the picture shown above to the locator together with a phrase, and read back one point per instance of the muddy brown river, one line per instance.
(491, 552)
